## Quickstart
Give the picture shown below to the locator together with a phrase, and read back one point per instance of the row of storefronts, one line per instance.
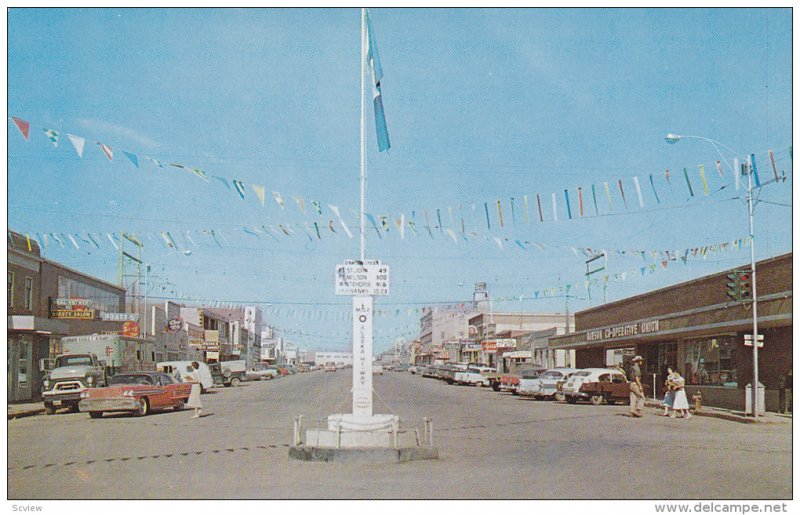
(697, 329)
(48, 301)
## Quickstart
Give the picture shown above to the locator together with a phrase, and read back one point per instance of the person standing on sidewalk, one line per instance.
(194, 395)
(681, 403)
(785, 391)
(637, 392)
(669, 395)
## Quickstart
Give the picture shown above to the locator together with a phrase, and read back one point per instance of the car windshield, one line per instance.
(130, 379)
(530, 374)
(71, 361)
(582, 373)
(552, 374)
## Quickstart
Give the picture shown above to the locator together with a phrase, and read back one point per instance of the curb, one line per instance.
(29, 413)
(742, 419)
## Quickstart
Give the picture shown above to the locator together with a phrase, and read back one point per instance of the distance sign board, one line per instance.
(362, 278)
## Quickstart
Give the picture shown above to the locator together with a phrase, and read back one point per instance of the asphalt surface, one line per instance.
(491, 445)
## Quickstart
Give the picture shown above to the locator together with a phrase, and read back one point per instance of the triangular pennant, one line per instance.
(239, 187)
(222, 180)
(52, 136)
(278, 198)
(78, 143)
(107, 151)
(132, 157)
(23, 126)
(200, 173)
(301, 203)
(260, 191)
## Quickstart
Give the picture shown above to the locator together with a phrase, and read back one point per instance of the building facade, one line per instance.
(47, 301)
(698, 329)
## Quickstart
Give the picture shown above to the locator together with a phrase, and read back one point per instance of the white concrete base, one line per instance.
(350, 422)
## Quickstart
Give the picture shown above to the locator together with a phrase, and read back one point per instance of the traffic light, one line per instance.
(734, 285)
(744, 285)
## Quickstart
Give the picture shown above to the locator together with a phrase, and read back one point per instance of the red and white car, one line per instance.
(137, 393)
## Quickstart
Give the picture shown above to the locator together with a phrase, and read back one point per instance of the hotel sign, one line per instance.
(620, 331)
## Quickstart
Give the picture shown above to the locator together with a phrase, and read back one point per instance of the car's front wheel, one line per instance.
(49, 408)
(597, 399)
(235, 381)
(143, 408)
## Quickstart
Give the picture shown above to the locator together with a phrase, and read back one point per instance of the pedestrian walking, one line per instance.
(637, 392)
(785, 392)
(669, 395)
(194, 395)
(681, 403)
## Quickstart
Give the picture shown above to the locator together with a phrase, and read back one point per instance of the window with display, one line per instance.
(98, 299)
(710, 361)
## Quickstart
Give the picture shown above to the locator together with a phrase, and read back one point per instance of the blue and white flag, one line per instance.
(374, 62)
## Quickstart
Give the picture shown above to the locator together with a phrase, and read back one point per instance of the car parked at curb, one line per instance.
(598, 386)
(261, 373)
(546, 385)
(474, 376)
(138, 393)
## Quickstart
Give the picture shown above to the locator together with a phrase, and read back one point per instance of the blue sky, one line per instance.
(481, 105)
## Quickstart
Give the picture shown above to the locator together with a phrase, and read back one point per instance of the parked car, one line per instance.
(181, 369)
(473, 376)
(428, 371)
(599, 385)
(546, 385)
(510, 382)
(136, 392)
(261, 373)
(447, 372)
(330, 367)
(377, 370)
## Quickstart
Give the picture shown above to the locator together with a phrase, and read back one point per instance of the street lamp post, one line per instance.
(674, 138)
(147, 284)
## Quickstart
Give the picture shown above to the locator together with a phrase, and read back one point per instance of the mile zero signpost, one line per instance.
(362, 280)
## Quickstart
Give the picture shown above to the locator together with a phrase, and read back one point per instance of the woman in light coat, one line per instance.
(194, 395)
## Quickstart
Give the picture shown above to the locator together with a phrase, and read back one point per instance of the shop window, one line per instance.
(28, 293)
(10, 289)
(711, 361)
(660, 356)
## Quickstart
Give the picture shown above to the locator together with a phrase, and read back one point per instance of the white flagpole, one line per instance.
(363, 175)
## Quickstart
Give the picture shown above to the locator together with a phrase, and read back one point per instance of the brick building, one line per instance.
(696, 328)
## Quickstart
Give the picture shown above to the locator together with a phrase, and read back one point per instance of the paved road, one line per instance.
(492, 446)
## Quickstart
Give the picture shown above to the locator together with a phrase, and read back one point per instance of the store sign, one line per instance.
(130, 329)
(502, 343)
(80, 314)
(174, 325)
(212, 355)
(211, 336)
(119, 317)
(619, 331)
(79, 304)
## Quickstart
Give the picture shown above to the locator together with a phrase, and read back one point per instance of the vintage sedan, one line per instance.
(599, 385)
(258, 373)
(137, 393)
(546, 385)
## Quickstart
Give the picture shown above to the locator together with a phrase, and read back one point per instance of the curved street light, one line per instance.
(748, 170)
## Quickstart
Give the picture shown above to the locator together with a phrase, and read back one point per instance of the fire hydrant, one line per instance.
(698, 401)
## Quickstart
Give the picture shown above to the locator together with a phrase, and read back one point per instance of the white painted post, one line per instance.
(362, 356)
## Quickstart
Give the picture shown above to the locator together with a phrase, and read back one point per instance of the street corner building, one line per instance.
(698, 329)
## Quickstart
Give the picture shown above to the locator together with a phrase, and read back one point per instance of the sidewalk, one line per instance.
(732, 415)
